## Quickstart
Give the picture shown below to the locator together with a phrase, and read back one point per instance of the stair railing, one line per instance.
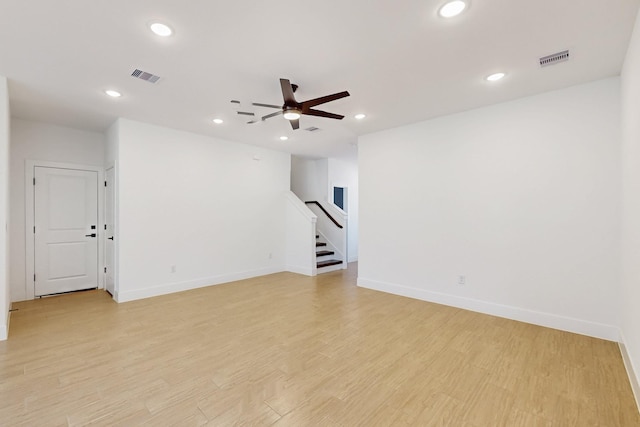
(313, 202)
(336, 236)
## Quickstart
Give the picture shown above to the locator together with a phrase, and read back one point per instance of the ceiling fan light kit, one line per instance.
(292, 114)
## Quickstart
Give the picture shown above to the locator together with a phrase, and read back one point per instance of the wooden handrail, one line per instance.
(325, 212)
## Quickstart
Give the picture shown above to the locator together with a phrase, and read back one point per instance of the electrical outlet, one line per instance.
(173, 268)
(462, 280)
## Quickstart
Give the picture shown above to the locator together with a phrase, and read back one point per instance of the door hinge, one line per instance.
(105, 226)
(105, 269)
(105, 183)
(34, 229)
(34, 181)
(34, 277)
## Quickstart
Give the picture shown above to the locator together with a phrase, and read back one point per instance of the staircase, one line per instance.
(324, 262)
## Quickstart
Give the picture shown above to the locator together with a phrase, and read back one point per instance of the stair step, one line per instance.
(318, 244)
(328, 262)
(324, 253)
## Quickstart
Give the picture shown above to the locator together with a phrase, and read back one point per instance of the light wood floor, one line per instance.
(289, 350)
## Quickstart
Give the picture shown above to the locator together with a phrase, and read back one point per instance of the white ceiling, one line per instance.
(400, 61)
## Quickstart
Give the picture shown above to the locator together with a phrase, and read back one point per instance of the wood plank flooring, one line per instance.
(289, 350)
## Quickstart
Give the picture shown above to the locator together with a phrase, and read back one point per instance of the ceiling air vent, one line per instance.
(312, 129)
(143, 75)
(563, 56)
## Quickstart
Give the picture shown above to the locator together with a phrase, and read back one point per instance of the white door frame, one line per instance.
(29, 175)
(114, 190)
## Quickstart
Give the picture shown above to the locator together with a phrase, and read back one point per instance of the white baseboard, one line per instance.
(578, 326)
(306, 271)
(631, 372)
(169, 288)
(353, 259)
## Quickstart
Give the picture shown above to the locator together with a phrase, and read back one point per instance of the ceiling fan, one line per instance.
(292, 109)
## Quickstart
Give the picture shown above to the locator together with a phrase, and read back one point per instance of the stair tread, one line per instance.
(320, 244)
(324, 253)
(328, 262)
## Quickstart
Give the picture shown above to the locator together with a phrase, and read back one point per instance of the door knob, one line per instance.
(90, 235)
(110, 238)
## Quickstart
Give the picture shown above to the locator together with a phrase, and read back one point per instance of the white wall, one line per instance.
(301, 237)
(522, 198)
(630, 276)
(344, 173)
(309, 179)
(5, 301)
(203, 205)
(40, 141)
(111, 144)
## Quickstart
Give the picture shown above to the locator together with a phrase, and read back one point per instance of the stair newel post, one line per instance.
(314, 268)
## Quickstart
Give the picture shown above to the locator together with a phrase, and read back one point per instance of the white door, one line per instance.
(66, 221)
(109, 231)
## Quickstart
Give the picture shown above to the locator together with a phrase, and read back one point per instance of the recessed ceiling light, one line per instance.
(495, 77)
(161, 29)
(360, 116)
(452, 8)
(284, 138)
(218, 121)
(113, 93)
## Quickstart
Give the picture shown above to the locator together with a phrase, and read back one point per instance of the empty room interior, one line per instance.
(320, 213)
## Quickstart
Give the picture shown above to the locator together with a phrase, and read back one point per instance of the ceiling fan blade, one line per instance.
(287, 92)
(245, 113)
(295, 124)
(319, 113)
(268, 116)
(323, 100)
(257, 104)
